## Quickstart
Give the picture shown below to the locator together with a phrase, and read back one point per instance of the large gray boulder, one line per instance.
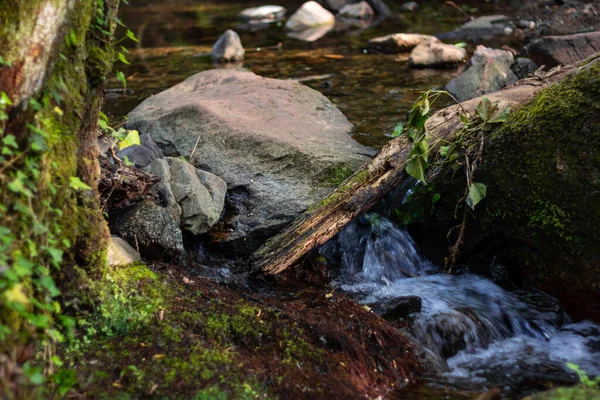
(228, 48)
(490, 71)
(563, 50)
(279, 145)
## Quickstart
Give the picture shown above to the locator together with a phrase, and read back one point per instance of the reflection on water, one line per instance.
(373, 91)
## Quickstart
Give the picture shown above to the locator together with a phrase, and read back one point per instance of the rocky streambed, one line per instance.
(241, 152)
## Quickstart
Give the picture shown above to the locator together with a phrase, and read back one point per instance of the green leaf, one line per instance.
(121, 77)
(500, 118)
(464, 119)
(477, 192)
(461, 45)
(416, 168)
(17, 185)
(444, 151)
(485, 109)
(34, 374)
(5, 100)
(10, 140)
(127, 162)
(132, 138)
(131, 36)
(76, 184)
(398, 130)
(121, 57)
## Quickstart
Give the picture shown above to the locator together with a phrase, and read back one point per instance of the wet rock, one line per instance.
(436, 54)
(563, 50)
(481, 28)
(362, 11)
(410, 6)
(490, 71)
(199, 194)
(263, 14)
(153, 228)
(121, 253)
(378, 6)
(311, 34)
(523, 66)
(141, 156)
(275, 143)
(398, 308)
(310, 15)
(228, 48)
(398, 42)
(526, 24)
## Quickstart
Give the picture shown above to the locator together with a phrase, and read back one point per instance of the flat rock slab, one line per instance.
(279, 145)
(563, 50)
(481, 28)
(121, 253)
(398, 42)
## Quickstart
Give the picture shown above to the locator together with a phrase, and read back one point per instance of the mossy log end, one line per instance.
(369, 184)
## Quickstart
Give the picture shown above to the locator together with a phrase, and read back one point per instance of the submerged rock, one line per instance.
(563, 50)
(228, 48)
(490, 71)
(398, 307)
(378, 6)
(311, 34)
(278, 144)
(310, 15)
(121, 253)
(362, 11)
(398, 42)
(263, 14)
(436, 54)
(481, 28)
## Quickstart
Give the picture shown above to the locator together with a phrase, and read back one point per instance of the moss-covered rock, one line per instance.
(542, 171)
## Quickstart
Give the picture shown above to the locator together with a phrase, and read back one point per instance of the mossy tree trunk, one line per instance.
(55, 56)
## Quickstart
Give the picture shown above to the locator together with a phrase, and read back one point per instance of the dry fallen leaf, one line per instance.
(161, 315)
(158, 356)
(334, 56)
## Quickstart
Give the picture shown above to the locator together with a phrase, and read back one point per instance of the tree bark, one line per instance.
(368, 185)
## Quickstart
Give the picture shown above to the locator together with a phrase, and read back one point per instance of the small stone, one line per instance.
(228, 48)
(120, 252)
(362, 11)
(263, 14)
(410, 6)
(525, 24)
(310, 15)
(398, 42)
(436, 54)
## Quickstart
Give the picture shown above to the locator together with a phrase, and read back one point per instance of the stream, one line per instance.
(480, 334)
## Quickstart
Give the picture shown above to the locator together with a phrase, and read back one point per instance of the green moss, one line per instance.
(567, 393)
(542, 166)
(341, 191)
(335, 175)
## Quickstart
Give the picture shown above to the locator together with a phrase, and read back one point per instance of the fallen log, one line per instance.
(367, 186)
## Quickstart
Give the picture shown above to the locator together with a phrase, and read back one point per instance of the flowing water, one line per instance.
(481, 334)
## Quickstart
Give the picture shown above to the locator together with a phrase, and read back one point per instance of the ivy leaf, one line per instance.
(18, 185)
(10, 140)
(417, 164)
(122, 79)
(131, 36)
(16, 294)
(460, 45)
(121, 57)
(464, 119)
(500, 118)
(477, 192)
(76, 184)
(444, 151)
(132, 138)
(398, 130)
(485, 109)
(416, 168)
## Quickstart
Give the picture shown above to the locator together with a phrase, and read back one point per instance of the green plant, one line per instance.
(464, 151)
(583, 378)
